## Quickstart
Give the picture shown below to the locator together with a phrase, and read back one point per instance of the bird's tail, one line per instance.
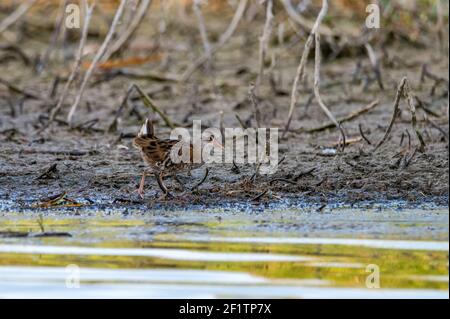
(147, 129)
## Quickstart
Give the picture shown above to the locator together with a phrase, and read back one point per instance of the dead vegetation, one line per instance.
(71, 99)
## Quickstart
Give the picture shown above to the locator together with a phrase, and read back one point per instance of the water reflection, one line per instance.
(202, 258)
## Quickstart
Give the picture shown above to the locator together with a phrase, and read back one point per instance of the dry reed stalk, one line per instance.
(264, 41)
(222, 41)
(347, 118)
(317, 91)
(59, 25)
(97, 58)
(253, 99)
(375, 65)
(396, 112)
(361, 132)
(196, 5)
(128, 33)
(440, 26)
(412, 108)
(149, 103)
(301, 68)
(300, 20)
(404, 91)
(78, 60)
(16, 15)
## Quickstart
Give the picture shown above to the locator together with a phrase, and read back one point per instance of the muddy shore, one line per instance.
(95, 165)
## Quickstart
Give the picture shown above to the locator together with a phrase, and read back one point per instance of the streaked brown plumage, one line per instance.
(156, 153)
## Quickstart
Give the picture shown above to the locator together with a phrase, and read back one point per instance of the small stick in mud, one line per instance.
(412, 109)
(14, 49)
(407, 160)
(409, 139)
(375, 65)
(404, 90)
(253, 99)
(52, 170)
(16, 15)
(284, 180)
(113, 126)
(361, 132)
(396, 112)
(264, 41)
(317, 92)
(425, 73)
(422, 105)
(79, 57)
(402, 138)
(259, 196)
(437, 127)
(222, 41)
(347, 118)
(301, 68)
(96, 59)
(241, 122)
(21, 91)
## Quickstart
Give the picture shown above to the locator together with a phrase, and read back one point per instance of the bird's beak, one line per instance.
(217, 144)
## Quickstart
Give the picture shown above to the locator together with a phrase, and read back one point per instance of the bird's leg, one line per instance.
(202, 180)
(140, 190)
(175, 177)
(159, 179)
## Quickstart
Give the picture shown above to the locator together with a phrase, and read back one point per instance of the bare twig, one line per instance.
(440, 26)
(253, 99)
(317, 91)
(296, 17)
(409, 139)
(113, 126)
(264, 41)
(437, 127)
(361, 132)
(128, 33)
(412, 108)
(241, 122)
(222, 41)
(76, 67)
(16, 15)
(347, 118)
(396, 112)
(421, 105)
(196, 5)
(222, 127)
(375, 64)
(149, 103)
(97, 58)
(125, 72)
(17, 50)
(301, 68)
(54, 38)
(16, 89)
(426, 73)
(259, 196)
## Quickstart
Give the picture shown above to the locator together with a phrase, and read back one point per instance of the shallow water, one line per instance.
(278, 253)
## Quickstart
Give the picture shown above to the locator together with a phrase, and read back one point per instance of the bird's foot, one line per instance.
(140, 192)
